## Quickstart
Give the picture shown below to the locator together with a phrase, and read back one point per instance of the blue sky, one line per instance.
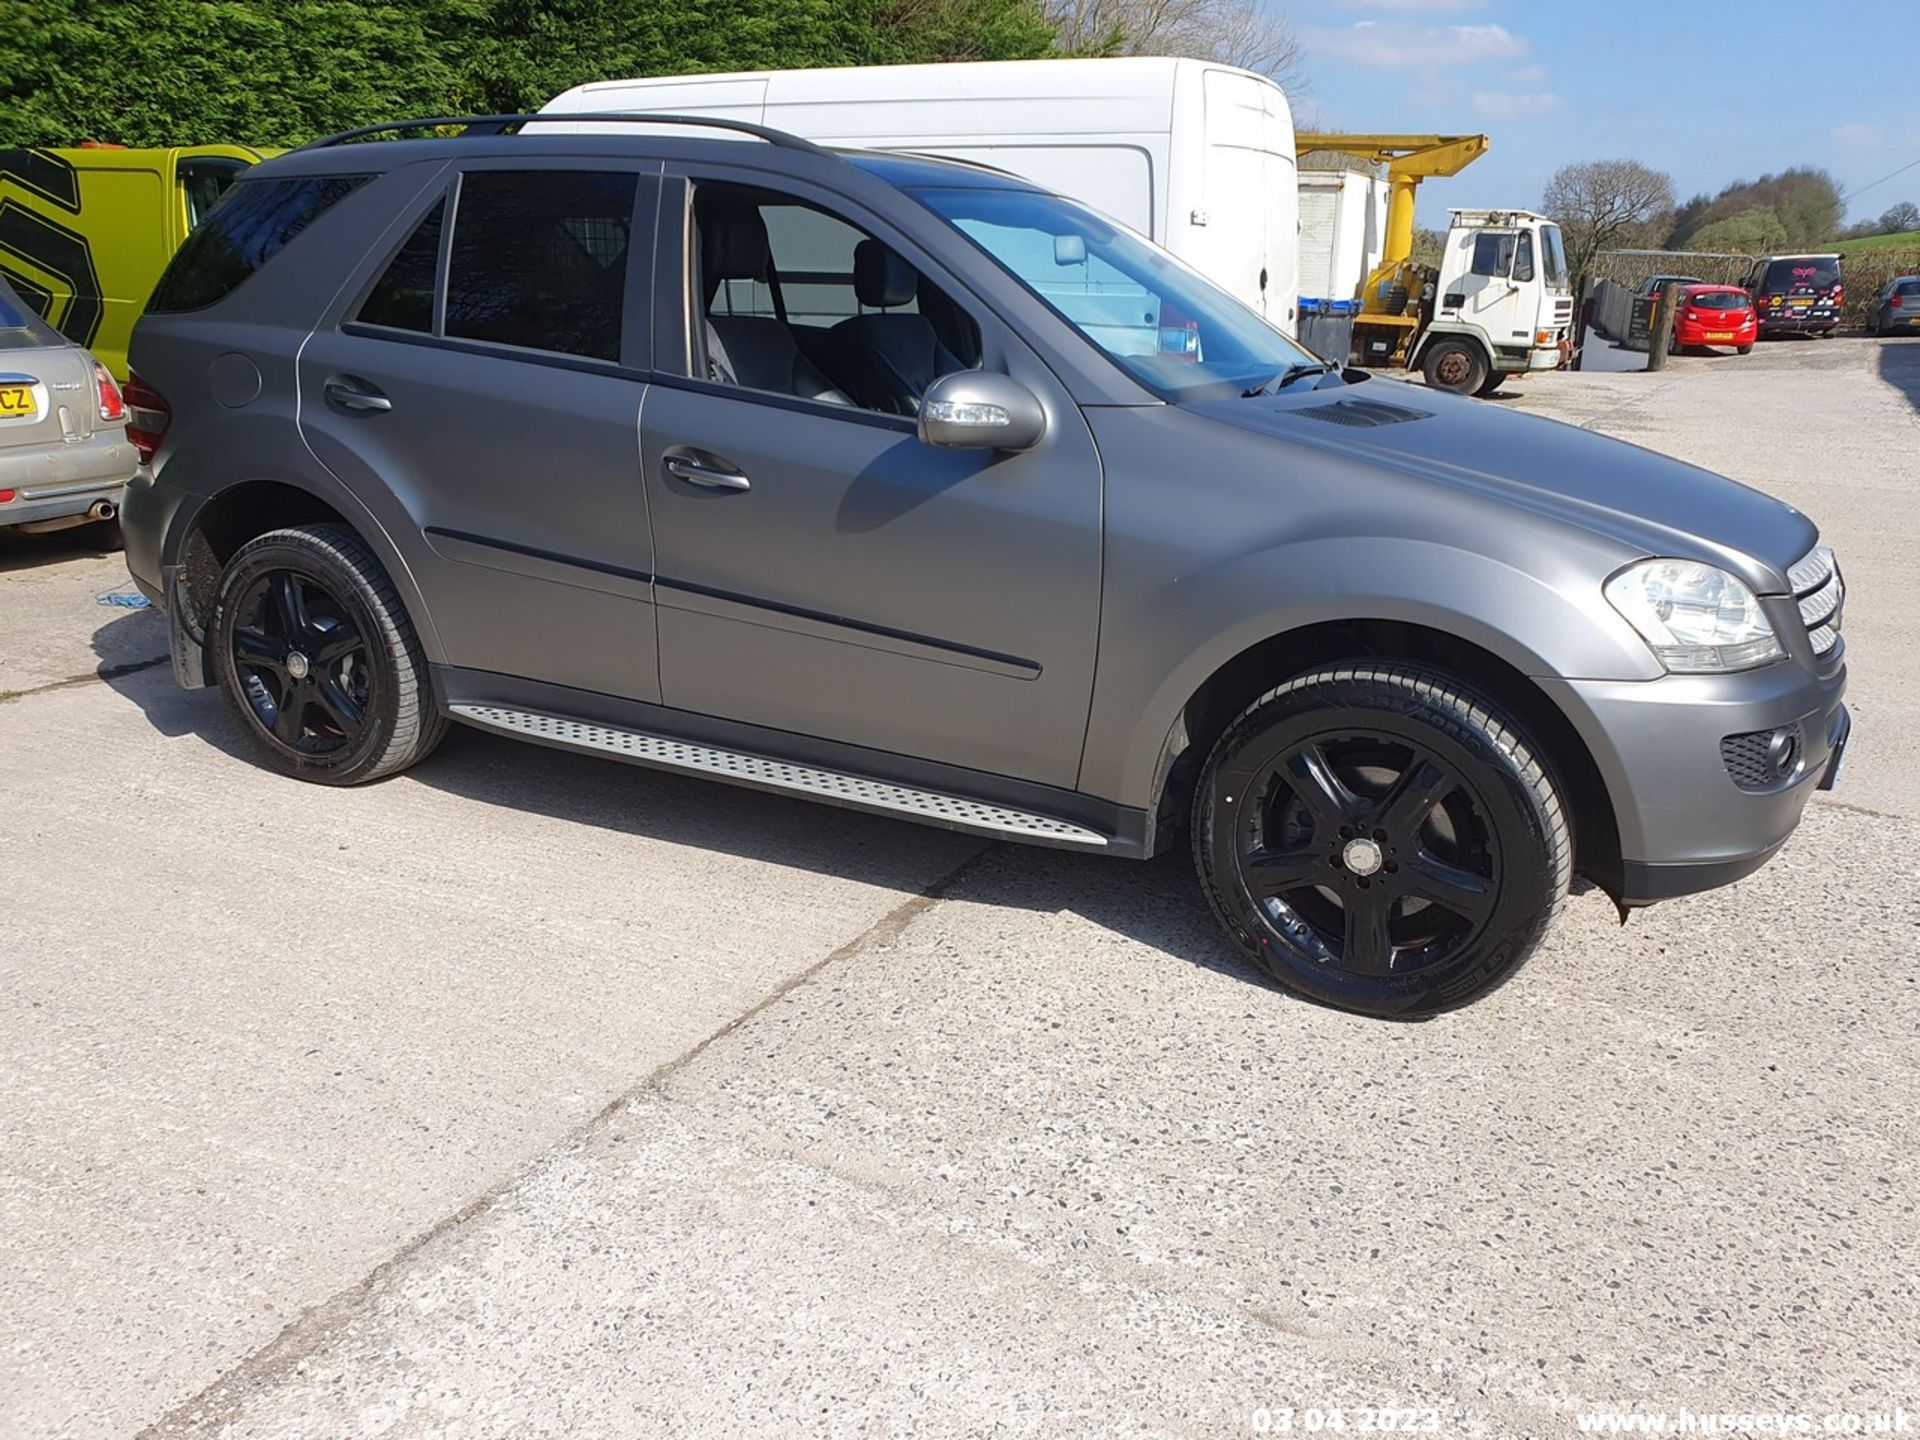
(1706, 91)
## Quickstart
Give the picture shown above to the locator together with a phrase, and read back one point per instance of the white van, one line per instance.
(1195, 155)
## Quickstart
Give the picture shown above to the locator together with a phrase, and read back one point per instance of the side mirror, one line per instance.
(981, 410)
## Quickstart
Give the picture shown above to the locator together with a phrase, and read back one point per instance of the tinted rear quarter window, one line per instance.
(539, 259)
(402, 298)
(251, 224)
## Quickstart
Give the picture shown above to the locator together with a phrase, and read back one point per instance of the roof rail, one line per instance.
(500, 124)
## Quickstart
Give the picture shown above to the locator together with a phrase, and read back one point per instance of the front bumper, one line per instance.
(1685, 824)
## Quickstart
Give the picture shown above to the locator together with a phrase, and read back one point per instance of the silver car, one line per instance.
(64, 455)
(1896, 309)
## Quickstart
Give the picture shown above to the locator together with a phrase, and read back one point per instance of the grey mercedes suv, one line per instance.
(905, 485)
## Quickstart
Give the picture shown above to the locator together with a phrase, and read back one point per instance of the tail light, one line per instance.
(112, 407)
(148, 416)
(1895, 302)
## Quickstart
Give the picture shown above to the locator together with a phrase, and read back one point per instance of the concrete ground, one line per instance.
(529, 1094)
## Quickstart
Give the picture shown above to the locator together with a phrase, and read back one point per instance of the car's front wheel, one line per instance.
(1381, 838)
(318, 659)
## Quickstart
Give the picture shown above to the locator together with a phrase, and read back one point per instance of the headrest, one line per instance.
(881, 279)
(733, 243)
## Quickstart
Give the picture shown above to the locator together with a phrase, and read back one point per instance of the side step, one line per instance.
(928, 806)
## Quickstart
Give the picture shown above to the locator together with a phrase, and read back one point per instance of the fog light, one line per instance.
(1783, 750)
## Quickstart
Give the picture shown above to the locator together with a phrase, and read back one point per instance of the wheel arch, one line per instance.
(206, 533)
(1245, 676)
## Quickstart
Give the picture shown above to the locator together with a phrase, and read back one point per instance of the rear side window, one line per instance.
(251, 224)
(539, 259)
(402, 298)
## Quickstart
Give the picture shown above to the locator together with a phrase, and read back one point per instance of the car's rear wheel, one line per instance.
(318, 659)
(1746, 349)
(1455, 365)
(1382, 839)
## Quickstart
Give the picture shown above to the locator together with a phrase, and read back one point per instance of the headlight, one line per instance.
(1696, 618)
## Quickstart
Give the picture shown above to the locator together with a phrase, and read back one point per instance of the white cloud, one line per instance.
(1855, 136)
(1528, 75)
(1399, 45)
(1510, 105)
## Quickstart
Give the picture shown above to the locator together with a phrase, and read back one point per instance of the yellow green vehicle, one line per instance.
(85, 233)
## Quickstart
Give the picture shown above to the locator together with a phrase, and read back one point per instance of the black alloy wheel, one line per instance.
(317, 657)
(302, 665)
(1382, 840)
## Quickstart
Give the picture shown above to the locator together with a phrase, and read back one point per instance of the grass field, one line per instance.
(1905, 240)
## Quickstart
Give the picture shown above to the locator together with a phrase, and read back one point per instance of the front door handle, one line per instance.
(353, 397)
(707, 476)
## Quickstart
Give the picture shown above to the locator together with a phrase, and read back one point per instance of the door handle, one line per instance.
(351, 397)
(707, 477)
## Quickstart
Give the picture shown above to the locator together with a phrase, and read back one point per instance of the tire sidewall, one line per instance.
(1476, 373)
(309, 557)
(1528, 888)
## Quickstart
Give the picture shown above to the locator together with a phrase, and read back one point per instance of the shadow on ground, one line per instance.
(1156, 902)
(21, 551)
(1900, 368)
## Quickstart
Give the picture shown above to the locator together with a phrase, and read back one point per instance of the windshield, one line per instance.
(1803, 272)
(1162, 323)
(1555, 253)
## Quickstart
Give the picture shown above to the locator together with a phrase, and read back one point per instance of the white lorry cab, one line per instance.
(1194, 155)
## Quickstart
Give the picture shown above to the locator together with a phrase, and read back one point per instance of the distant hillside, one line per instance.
(1905, 240)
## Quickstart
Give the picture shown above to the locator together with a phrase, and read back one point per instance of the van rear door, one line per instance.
(1248, 243)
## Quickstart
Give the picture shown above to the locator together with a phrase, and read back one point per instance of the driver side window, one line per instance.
(793, 299)
(1493, 254)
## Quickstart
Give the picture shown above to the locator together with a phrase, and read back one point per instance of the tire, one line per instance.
(1495, 379)
(317, 658)
(1455, 365)
(105, 536)
(1743, 349)
(1386, 784)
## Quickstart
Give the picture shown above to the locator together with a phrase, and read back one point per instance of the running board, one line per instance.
(856, 791)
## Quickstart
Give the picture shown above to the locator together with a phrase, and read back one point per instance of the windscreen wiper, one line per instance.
(1296, 371)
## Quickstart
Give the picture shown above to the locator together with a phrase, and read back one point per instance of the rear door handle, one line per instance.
(706, 476)
(352, 397)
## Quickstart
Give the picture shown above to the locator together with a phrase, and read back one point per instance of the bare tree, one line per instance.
(1234, 32)
(1900, 218)
(1602, 203)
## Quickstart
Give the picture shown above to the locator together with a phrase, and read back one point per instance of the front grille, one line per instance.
(1820, 593)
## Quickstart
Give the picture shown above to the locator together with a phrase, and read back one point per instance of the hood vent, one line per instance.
(1361, 414)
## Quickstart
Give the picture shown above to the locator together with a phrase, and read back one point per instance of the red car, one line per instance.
(1715, 315)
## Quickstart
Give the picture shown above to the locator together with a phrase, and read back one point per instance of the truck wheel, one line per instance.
(1379, 838)
(315, 653)
(1455, 365)
(1495, 379)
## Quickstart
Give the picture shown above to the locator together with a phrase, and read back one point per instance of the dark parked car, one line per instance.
(1796, 294)
(905, 485)
(1896, 309)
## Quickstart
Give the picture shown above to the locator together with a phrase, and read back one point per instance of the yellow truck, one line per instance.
(85, 233)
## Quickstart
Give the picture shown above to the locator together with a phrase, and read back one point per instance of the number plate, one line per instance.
(1719, 334)
(16, 402)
